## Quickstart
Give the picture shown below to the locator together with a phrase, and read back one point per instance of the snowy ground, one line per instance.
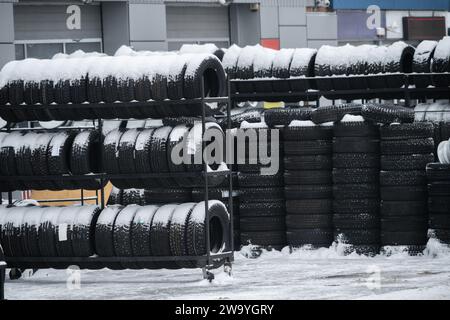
(304, 274)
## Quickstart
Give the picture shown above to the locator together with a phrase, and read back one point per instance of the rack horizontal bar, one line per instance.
(203, 258)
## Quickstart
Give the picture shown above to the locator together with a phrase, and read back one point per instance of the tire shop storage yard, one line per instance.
(359, 208)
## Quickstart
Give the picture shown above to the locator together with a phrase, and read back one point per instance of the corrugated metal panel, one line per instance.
(393, 4)
(49, 22)
(197, 25)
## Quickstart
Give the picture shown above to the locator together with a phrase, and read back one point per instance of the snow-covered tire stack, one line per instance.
(422, 63)
(42, 154)
(406, 149)
(261, 200)
(308, 185)
(439, 201)
(108, 79)
(222, 194)
(356, 201)
(49, 232)
(441, 63)
(166, 230)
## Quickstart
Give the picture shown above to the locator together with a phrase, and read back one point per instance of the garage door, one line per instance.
(197, 24)
(43, 30)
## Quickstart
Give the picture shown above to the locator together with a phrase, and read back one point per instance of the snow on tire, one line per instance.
(104, 234)
(122, 235)
(422, 62)
(178, 235)
(140, 234)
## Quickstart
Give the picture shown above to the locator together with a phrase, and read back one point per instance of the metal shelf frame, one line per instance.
(407, 92)
(207, 261)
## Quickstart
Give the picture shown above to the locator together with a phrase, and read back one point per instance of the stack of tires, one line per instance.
(261, 200)
(439, 201)
(356, 185)
(406, 149)
(308, 184)
(55, 153)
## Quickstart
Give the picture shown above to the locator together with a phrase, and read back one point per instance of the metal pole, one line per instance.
(82, 197)
(205, 168)
(230, 176)
(10, 199)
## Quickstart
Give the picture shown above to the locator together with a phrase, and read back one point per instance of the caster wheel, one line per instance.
(15, 274)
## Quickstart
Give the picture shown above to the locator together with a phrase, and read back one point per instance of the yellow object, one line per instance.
(273, 105)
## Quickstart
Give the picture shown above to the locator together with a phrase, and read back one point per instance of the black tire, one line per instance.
(309, 207)
(406, 131)
(23, 159)
(122, 235)
(283, 117)
(257, 180)
(403, 178)
(405, 162)
(355, 176)
(210, 69)
(47, 236)
(219, 221)
(10, 145)
(302, 65)
(356, 206)
(355, 191)
(398, 59)
(110, 160)
(356, 145)
(387, 114)
(403, 193)
(403, 224)
(441, 64)
(143, 92)
(115, 197)
(58, 158)
(361, 221)
(140, 235)
(142, 152)
(410, 146)
(309, 221)
(307, 177)
(176, 139)
(261, 194)
(439, 204)
(355, 160)
(422, 62)
(305, 192)
(254, 116)
(358, 237)
(403, 208)
(254, 224)
(244, 68)
(280, 69)
(307, 148)
(356, 129)
(334, 113)
(438, 172)
(403, 238)
(266, 238)
(104, 234)
(30, 232)
(133, 196)
(177, 233)
(262, 209)
(84, 231)
(439, 189)
(159, 161)
(126, 158)
(307, 133)
(64, 228)
(84, 156)
(315, 237)
(262, 68)
(313, 162)
(161, 195)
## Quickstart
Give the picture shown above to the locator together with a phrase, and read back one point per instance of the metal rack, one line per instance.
(310, 92)
(207, 261)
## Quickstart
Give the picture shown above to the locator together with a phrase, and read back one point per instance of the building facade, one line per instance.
(41, 28)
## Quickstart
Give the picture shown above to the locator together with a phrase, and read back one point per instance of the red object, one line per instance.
(271, 43)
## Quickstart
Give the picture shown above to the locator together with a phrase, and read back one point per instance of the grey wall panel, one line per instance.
(148, 22)
(33, 22)
(7, 53)
(150, 45)
(269, 22)
(6, 23)
(245, 26)
(197, 22)
(316, 44)
(292, 16)
(293, 37)
(322, 26)
(115, 22)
